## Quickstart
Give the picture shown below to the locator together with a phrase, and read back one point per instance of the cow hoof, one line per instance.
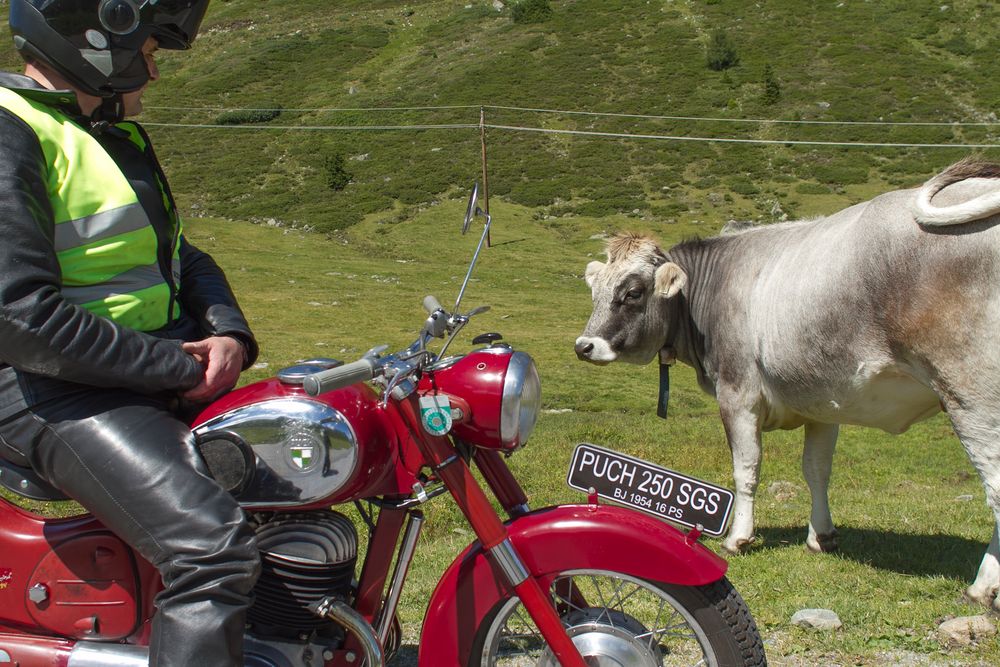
(740, 547)
(823, 543)
(983, 598)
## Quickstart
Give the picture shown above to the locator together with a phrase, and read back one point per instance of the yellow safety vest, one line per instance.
(104, 241)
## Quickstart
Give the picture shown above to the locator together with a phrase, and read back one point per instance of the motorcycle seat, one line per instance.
(26, 482)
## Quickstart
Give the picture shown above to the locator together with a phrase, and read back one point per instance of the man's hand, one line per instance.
(223, 358)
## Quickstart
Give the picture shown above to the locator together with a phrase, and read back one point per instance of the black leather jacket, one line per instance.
(50, 347)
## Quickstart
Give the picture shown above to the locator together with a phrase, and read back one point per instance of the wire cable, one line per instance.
(331, 128)
(625, 135)
(565, 112)
(317, 110)
(763, 121)
(589, 133)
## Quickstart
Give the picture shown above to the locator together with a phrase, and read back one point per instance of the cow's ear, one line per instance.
(670, 279)
(592, 270)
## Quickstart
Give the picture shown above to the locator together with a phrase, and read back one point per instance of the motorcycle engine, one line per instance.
(305, 557)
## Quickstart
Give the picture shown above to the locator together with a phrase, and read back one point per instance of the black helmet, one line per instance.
(97, 44)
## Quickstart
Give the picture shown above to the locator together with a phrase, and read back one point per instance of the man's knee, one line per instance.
(227, 557)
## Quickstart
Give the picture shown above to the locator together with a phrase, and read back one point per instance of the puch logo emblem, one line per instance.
(303, 452)
(302, 456)
(6, 576)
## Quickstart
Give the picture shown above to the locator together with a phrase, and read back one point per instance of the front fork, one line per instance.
(453, 472)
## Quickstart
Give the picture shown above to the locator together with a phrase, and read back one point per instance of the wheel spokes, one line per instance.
(613, 612)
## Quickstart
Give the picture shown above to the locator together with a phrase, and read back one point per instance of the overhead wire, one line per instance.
(332, 128)
(729, 140)
(606, 114)
(590, 133)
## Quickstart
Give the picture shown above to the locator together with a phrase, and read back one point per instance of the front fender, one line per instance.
(553, 540)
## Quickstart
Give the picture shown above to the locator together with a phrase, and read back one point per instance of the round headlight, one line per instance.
(522, 398)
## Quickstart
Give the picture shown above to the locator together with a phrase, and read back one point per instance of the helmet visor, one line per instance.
(174, 23)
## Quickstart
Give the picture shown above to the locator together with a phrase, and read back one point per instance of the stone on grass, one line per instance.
(965, 630)
(782, 490)
(817, 619)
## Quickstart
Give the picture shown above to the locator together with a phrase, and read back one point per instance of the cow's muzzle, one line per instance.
(595, 350)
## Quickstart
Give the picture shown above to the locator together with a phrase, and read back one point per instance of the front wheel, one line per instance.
(619, 620)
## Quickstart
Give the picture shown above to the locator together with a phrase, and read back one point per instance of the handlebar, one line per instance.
(361, 370)
(391, 370)
(431, 304)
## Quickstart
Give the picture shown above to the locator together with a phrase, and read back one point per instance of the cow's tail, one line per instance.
(926, 213)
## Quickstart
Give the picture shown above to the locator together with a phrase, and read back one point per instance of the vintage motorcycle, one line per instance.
(573, 585)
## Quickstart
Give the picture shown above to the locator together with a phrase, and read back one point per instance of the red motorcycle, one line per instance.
(573, 585)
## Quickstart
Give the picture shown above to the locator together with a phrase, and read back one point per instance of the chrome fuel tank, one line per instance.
(279, 448)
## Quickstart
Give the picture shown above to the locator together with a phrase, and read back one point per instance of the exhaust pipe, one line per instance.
(94, 654)
(99, 654)
(356, 624)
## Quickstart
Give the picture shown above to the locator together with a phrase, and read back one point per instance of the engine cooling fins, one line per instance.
(305, 557)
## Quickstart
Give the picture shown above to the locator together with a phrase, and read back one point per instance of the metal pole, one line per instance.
(486, 176)
(403, 560)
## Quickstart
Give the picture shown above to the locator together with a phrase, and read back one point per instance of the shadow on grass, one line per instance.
(904, 553)
(496, 244)
(407, 656)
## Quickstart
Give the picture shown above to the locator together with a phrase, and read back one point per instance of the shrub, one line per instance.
(812, 189)
(743, 186)
(840, 175)
(246, 116)
(960, 45)
(531, 11)
(772, 91)
(335, 171)
(672, 209)
(721, 53)
(537, 193)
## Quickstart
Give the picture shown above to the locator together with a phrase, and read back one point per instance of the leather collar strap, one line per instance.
(667, 359)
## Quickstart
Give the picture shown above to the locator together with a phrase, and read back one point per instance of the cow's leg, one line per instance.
(743, 433)
(817, 462)
(987, 584)
(979, 432)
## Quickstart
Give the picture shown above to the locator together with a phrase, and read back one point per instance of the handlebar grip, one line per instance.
(361, 370)
(431, 303)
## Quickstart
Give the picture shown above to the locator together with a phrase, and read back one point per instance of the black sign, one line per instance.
(650, 488)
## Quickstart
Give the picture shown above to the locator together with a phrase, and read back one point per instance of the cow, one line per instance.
(881, 315)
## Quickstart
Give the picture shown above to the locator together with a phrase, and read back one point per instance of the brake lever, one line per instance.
(457, 322)
(396, 387)
(375, 351)
(478, 310)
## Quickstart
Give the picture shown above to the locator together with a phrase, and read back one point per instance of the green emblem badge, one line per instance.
(435, 414)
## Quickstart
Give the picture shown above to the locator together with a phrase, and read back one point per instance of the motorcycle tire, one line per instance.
(627, 621)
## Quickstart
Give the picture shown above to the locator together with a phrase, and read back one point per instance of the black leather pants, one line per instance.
(131, 463)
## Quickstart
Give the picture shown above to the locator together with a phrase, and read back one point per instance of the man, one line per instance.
(108, 315)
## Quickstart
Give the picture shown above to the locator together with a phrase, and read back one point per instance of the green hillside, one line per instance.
(833, 61)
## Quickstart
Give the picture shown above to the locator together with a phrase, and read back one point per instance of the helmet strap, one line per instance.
(110, 111)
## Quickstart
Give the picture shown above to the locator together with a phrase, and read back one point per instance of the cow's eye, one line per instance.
(633, 294)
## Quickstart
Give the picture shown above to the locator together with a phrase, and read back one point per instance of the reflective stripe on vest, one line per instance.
(106, 246)
(100, 226)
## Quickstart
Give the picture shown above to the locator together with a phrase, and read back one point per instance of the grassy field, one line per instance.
(911, 511)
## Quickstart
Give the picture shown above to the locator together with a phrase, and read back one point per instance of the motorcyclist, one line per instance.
(108, 315)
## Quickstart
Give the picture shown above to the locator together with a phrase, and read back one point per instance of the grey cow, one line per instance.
(879, 315)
